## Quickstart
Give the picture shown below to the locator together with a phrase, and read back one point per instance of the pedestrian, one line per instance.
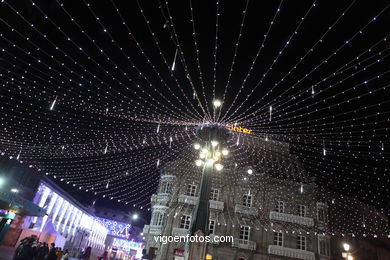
(59, 253)
(87, 253)
(65, 256)
(41, 251)
(51, 255)
(25, 250)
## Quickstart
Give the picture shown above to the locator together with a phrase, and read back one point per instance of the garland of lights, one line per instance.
(119, 121)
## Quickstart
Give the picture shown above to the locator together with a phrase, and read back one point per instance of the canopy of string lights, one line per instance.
(100, 95)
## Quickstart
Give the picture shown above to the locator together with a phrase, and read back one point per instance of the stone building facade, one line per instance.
(268, 217)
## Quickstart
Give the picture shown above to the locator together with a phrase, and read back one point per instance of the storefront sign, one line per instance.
(239, 129)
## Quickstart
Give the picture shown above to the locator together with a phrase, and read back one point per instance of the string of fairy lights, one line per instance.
(106, 97)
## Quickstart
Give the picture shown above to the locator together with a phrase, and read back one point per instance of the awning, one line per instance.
(19, 205)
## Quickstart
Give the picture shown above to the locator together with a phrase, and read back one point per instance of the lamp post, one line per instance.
(211, 152)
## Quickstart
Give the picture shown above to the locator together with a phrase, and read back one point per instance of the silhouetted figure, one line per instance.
(24, 250)
(52, 253)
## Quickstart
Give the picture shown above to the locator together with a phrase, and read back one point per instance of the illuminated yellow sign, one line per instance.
(239, 129)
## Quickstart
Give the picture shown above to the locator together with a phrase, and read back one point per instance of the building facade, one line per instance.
(65, 221)
(124, 240)
(268, 217)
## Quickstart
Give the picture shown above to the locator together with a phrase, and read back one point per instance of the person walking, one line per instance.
(51, 255)
(65, 256)
(59, 253)
(25, 250)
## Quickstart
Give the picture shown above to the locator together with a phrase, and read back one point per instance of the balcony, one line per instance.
(188, 199)
(290, 252)
(244, 244)
(212, 240)
(146, 229)
(155, 230)
(160, 199)
(218, 205)
(273, 215)
(180, 232)
(241, 209)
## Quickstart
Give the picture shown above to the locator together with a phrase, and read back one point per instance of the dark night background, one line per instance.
(349, 147)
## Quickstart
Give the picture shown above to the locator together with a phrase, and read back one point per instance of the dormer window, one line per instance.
(301, 210)
(191, 190)
(214, 194)
(247, 200)
(279, 206)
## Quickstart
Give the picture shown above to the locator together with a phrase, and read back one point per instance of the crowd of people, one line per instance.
(31, 249)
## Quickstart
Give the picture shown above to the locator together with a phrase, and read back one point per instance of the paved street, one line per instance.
(6, 253)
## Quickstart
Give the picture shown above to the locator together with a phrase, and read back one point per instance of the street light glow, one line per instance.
(350, 257)
(197, 146)
(217, 103)
(198, 163)
(218, 166)
(214, 143)
(346, 247)
(250, 171)
(135, 216)
(14, 190)
(225, 152)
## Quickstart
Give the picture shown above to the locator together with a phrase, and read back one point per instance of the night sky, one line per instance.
(88, 94)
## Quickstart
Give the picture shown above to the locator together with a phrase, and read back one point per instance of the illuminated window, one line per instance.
(209, 257)
(191, 190)
(185, 221)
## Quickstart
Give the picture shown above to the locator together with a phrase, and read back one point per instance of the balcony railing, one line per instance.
(187, 199)
(212, 239)
(145, 230)
(290, 252)
(193, 200)
(273, 215)
(244, 244)
(180, 232)
(245, 210)
(155, 230)
(160, 199)
(218, 205)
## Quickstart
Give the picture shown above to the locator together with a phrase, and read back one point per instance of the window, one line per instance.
(165, 187)
(185, 221)
(244, 232)
(278, 238)
(211, 226)
(191, 190)
(301, 242)
(247, 200)
(321, 214)
(158, 219)
(301, 210)
(323, 246)
(279, 206)
(214, 194)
